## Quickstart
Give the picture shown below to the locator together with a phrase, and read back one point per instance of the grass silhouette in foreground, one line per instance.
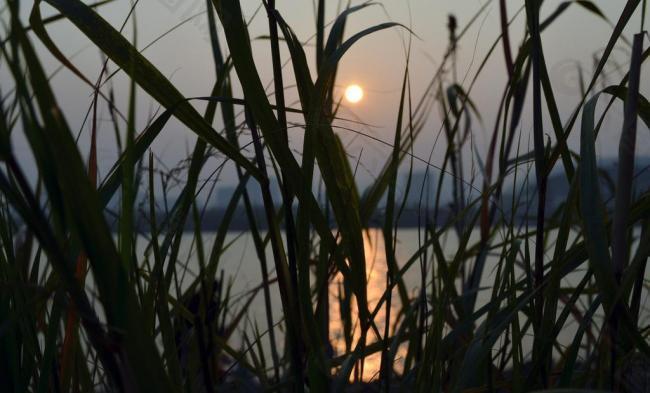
(82, 310)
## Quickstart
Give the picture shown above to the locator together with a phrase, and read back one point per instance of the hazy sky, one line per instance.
(376, 63)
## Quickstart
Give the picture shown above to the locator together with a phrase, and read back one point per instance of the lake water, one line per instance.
(242, 271)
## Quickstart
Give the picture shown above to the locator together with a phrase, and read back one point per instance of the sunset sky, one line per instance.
(376, 63)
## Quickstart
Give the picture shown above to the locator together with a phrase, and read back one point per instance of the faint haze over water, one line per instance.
(376, 63)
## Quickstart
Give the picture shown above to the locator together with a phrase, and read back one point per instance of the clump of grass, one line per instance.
(83, 309)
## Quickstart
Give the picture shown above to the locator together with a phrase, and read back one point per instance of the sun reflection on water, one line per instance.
(376, 269)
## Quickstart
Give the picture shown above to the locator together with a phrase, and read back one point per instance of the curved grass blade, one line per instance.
(118, 49)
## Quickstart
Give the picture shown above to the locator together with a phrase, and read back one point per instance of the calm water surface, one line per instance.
(242, 272)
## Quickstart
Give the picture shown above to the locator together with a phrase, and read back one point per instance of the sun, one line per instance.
(354, 93)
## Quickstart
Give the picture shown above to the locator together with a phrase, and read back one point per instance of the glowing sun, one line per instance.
(354, 93)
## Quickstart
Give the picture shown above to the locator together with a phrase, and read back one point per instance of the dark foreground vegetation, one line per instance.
(83, 309)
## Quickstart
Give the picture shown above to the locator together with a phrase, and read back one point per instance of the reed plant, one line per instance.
(95, 295)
